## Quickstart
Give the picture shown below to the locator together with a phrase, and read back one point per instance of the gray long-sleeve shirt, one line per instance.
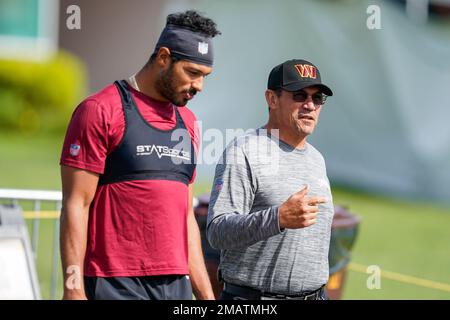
(255, 175)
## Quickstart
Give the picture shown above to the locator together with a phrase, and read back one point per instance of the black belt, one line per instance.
(253, 294)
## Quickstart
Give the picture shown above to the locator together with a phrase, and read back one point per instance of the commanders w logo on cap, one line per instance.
(286, 76)
(306, 71)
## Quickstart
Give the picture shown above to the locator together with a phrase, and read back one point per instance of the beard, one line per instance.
(166, 86)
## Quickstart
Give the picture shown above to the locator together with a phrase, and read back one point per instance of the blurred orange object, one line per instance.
(344, 230)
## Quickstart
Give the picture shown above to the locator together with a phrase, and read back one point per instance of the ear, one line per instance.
(271, 99)
(163, 57)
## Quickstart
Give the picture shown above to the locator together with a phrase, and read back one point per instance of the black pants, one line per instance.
(229, 296)
(171, 287)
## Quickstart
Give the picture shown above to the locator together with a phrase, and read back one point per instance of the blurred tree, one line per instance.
(40, 96)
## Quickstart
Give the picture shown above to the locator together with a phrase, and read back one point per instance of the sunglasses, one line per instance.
(317, 98)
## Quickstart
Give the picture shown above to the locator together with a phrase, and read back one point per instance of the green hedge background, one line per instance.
(39, 97)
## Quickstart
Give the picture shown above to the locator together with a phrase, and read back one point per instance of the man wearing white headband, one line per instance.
(127, 223)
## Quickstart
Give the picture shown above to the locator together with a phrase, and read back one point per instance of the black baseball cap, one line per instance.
(294, 75)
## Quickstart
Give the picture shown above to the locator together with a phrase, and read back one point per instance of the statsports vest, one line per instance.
(146, 152)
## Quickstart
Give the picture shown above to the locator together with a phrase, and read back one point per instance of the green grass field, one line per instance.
(409, 238)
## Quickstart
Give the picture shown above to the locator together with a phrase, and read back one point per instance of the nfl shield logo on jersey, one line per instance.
(74, 149)
(203, 47)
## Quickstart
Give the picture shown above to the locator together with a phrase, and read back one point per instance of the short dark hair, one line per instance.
(278, 93)
(173, 59)
(195, 21)
(192, 20)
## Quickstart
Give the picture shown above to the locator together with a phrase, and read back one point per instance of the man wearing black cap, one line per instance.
(127, 166)
(271, 206)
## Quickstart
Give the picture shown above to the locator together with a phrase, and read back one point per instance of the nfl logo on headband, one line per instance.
(203, 47)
